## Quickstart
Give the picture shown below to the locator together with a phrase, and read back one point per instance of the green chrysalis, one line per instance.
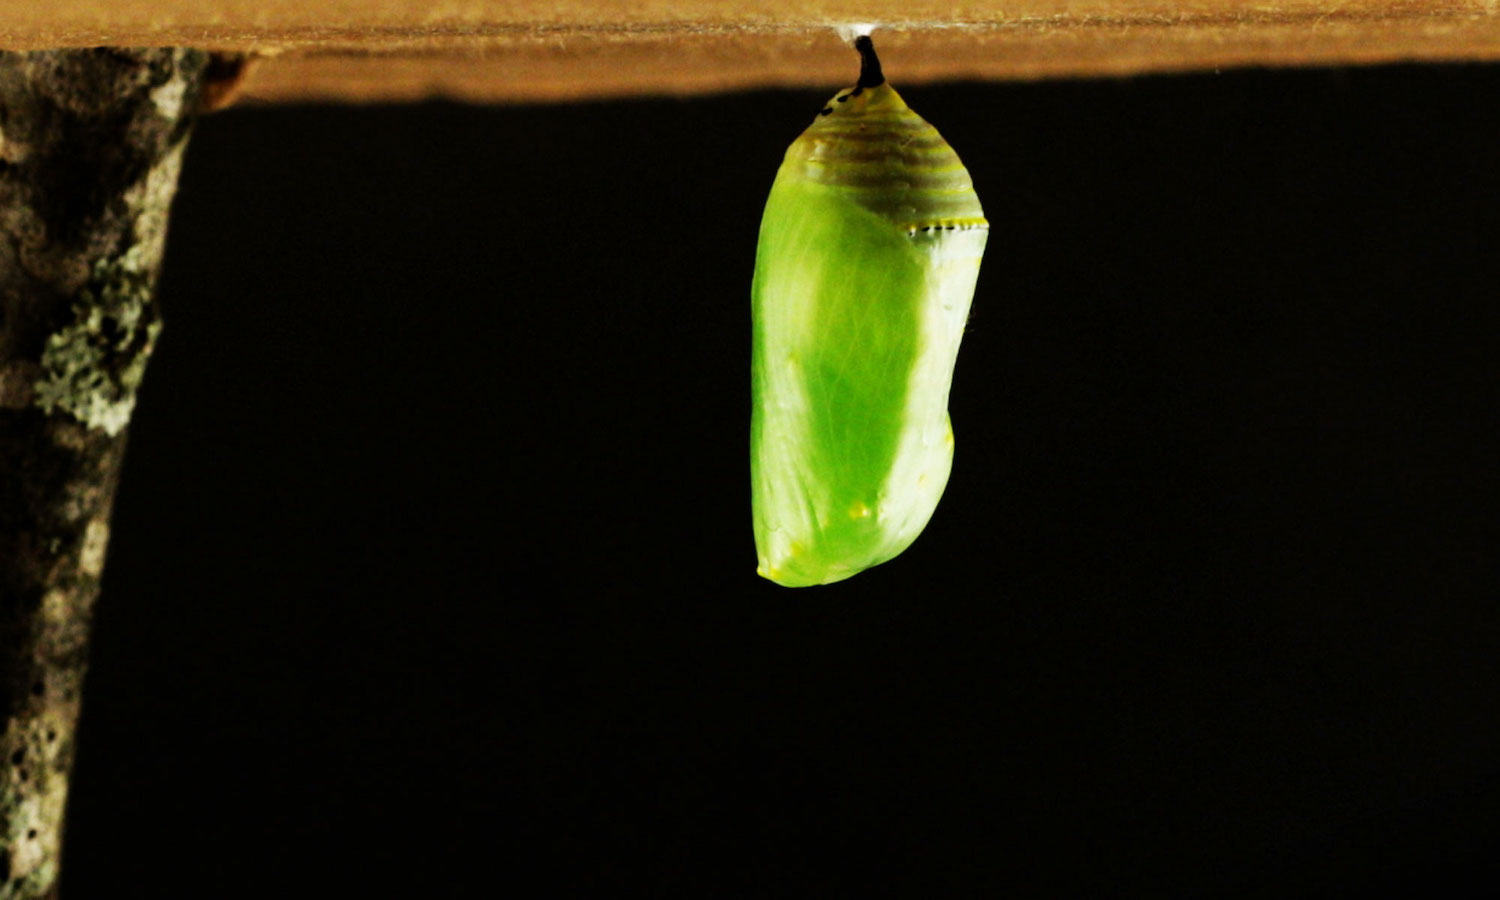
(869, 250)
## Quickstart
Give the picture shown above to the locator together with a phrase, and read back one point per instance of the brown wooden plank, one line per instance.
(528, 50)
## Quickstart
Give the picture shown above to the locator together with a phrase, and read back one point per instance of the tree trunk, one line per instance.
(90, 145)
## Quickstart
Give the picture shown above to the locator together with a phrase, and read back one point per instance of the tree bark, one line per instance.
(90, 146)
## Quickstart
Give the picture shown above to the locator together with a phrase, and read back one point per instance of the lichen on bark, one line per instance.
(90, 146)
(92, 366)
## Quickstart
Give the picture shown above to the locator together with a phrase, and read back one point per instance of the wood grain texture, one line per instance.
(366, 50)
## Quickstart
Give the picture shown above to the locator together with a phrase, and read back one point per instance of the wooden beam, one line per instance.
(372, 50)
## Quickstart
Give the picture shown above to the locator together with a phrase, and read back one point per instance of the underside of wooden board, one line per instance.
(379, 50)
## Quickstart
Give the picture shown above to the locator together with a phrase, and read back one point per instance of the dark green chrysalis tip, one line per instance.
(869, 64)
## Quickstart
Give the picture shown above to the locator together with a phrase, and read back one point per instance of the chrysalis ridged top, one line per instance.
(868, 141)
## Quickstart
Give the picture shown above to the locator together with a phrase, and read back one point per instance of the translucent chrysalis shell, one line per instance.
(868, 255)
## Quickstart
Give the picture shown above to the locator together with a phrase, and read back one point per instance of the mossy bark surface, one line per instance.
(90, 145)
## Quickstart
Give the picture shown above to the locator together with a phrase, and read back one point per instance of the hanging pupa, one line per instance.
(868, 254)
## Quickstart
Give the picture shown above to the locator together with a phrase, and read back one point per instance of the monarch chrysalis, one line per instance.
(868, 254)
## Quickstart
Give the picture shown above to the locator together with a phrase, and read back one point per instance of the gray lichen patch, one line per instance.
(92, 366)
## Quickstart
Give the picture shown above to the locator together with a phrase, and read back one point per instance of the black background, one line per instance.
(432, 565)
